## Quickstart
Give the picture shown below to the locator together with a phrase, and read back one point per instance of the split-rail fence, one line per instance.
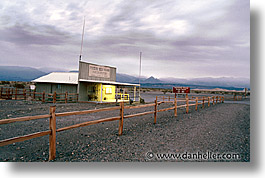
(204, 101)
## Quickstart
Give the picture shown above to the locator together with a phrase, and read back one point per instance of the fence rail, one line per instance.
(24, 94)
(52, 116)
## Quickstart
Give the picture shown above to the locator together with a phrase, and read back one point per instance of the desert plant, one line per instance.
(19, 85)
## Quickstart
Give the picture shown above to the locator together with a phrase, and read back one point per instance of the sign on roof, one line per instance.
(99, 71)
(88, 71)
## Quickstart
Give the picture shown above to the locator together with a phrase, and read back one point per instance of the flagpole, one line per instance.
(80, 56)
(81, 50)
(140, 76)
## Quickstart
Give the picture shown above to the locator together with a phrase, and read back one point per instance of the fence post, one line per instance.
(1, 92)
(121, 117)
(54, 97)
(52, 136)
(168, 98)
(12, 93)
(208, 101)
(8, 93)
(43, 96)
(34, 94)
(213, 100)
(175, 109)
(66, 95)
(24, 94)
(77, 97)
(16, 94)
(223, 99)
(203, 102)
(187, 105)
(196, 106)
(155, 113)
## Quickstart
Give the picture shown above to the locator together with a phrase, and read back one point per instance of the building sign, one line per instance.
(181, 89)
(99, 71)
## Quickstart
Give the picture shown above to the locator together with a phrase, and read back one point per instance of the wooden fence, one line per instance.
(24, 94)
(53, 115)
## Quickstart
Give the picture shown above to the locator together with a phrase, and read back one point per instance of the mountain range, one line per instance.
(17, 73)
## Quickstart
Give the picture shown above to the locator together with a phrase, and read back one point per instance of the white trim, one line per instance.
(108, 82)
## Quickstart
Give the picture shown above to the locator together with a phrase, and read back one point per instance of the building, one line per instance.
(93, 82)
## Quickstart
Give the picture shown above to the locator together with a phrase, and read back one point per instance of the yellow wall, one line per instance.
(108, 93)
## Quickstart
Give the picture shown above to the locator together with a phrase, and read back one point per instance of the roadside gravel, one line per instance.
(222, 128)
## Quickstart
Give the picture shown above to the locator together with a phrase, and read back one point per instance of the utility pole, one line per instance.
(80, 56)
(140, 76)
(81, 50)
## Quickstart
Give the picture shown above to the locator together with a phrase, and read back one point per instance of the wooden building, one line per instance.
(93, 83)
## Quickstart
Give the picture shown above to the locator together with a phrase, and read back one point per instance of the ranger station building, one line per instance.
(95, 83)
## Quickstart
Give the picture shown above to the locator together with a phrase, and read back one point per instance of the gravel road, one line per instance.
(222, 128)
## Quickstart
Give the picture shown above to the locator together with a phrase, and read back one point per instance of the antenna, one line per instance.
(140, 75)
(82, 38)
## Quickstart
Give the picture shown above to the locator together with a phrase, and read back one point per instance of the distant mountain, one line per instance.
(126, 78)
(51, 69)
(209, 81)
(15, 73)
(152, 80)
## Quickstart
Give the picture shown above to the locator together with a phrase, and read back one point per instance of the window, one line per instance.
(108, 90)
(59, 86)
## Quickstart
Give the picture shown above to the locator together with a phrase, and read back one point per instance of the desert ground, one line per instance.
(220, 128)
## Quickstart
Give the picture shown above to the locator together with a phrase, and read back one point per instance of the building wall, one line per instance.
(92, 92)
(84, 72)
(83, 96)
(108, 93)
(54, 87)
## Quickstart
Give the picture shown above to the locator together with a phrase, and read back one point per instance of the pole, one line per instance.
(81, 50)
(175, 109)
(140, 68)
(52, 136)
(121, 118)
(196, 106)
(155, 113)
(187, 105)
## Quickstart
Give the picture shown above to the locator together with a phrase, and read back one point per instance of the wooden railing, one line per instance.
(24, 94)
(53, 115)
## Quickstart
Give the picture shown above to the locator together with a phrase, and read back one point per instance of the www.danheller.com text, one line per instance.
(193, 156)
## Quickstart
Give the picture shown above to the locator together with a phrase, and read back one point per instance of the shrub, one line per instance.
(142, 100)
(19, 85)
(5, 82)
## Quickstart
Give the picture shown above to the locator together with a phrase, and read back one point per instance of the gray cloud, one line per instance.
(24, 34)
(207, 33)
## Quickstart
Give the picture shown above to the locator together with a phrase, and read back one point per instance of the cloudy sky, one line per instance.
(177, 38)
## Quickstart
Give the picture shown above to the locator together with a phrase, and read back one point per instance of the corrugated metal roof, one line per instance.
(59, 77)
(72, 78)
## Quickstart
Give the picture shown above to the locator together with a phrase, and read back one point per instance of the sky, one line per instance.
(181, 39)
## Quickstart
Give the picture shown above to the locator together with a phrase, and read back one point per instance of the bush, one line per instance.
(142, 100)
(5, 82)
(19, 85)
